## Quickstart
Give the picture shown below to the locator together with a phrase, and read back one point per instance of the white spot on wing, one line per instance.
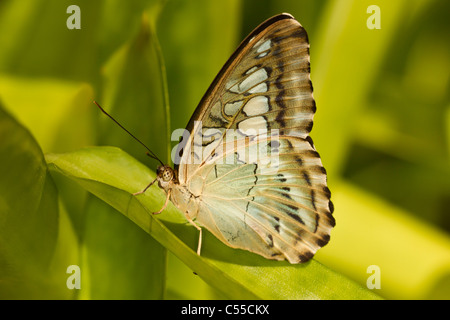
(263, 47)
(251, 70)
(256, 105)
(232, 108)
(262, 87)
(262, 54)
(253, 79)
(251, 126)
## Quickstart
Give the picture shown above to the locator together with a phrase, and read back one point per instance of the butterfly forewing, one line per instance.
(257, 180)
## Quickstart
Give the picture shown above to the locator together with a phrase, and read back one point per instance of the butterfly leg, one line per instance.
(165, 203)
(149, 185)
(199, 247)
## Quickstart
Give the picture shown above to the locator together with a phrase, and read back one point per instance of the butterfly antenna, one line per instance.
(149, 153)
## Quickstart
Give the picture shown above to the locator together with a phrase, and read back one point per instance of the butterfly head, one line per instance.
(165, 176)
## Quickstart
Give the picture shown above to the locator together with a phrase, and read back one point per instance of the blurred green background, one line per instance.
(382, 128)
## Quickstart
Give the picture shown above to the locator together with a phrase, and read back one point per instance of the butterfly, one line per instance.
(248, 170)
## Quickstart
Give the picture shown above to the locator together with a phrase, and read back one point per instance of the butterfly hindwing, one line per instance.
(277, 206)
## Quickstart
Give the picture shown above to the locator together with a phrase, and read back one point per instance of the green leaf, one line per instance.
(140, 271)
(373, 232)
(58, 113)
(133, 91)
(341, 77)
(39, 43)
(28, 218)
(193, 51)
(112, 175)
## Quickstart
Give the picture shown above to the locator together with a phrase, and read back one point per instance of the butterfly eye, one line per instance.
(167, 174)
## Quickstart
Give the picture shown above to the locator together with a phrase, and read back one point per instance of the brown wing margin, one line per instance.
(197, 113)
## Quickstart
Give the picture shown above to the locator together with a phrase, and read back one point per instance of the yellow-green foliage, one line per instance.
(382, 128)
